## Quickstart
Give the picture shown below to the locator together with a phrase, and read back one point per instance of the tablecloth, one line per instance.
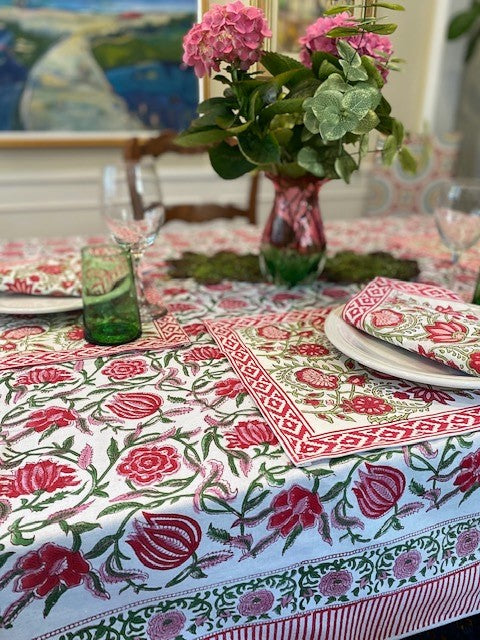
(143, 496)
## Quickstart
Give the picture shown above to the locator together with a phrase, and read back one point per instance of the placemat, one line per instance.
(59, 338)
(321, 403)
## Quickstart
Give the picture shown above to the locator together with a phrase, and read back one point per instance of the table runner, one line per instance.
(47, 276)
(54, 338)
(321, 403)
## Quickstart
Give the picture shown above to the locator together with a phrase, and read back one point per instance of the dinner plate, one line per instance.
(33, 305)
(395, 361)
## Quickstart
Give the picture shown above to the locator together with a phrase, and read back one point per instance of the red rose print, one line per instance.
(379, 489)
(146, 465)
(369, 405)
(203, 353)
(166, 626)
(181, 306)
(174, 291)
(316, 378)
(474, 361)
(49, 567)
(446, 331)
(430, 395)
(335, 583)
(125, 368)
(249, 433)
(469, 475)
(230, 387)
(134, 405)
(386, 318)
(309, 349)
(358, 380)
(294, 507)
(255, 603)
(407, 564)
(271, 332)
(41, 476)
(42, 419)
(285, 297)
(42, 376)
(467, 542)
(22, 332)
(166, 541)
(76, 333)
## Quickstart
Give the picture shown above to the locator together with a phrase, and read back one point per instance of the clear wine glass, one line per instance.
(132, 207)
(457, 216)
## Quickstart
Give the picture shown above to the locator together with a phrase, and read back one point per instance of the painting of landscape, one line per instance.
(95, 65)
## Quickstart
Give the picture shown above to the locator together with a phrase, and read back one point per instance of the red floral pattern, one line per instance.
(198, 354)
(386, 318)
(369, 405)
(469, 475)
(166, 541)
(446, 331)
(250, 433)
(125, 368)
(49, 567)
(148, 465)
(134, 405)
(230, 388)
(379, 489)
(271, 332)
(22, 332)
(310, 349)
(44, 475)
(47, 375)
(316, 378)
(42, 419)
(295, 507)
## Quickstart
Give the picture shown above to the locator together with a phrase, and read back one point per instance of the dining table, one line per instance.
(173, 489)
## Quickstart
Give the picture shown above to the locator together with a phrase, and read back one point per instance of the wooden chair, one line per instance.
(136, 148)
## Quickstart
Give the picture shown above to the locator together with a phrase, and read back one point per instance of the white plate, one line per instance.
(394, 361)
(33, 305)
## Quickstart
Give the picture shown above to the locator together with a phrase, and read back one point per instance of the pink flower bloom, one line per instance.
(368, 405)
(203, 353)
(467, 542)
(407, 564)
(379, 489)
(316, 378)
(147, 465)
(335, 583)
(474, 361)
(125, 368)
(311, 349)
(469, 475)
(386, 318)
(249, 433)
(230, 388)
(22, 332)
(379, 48)
(44, 375)
(294, 507)
(166, 626)
(255, 603)
(44, 475)
(231, 33)
(271, 332)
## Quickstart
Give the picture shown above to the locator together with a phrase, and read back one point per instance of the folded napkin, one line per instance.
(422, 318)
(43, 277)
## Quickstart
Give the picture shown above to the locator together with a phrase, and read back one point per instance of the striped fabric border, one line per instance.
(387, 617)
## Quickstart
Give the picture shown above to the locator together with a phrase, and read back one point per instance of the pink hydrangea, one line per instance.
(231, 33)
(379, 48)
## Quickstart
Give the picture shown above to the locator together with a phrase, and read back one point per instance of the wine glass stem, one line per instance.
(452, 280)
(136, 257)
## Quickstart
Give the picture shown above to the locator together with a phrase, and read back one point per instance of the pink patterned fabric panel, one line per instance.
(321, 403)
(44, 277)
(420, 318)
(55, 338)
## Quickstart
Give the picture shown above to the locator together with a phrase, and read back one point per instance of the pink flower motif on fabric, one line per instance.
(474, 361)
(148, 465)
(386, 318)
(271, 332)
(407, 564)
(134, 405)
(47, 375)
(42, 419)
(256, 603)
(379, 489)
(294, 507)
(316, 378)
(446, 332)
(230, 388)
(125, 368)
(369, 405)
(44, 475)
(469, 475)
(310, 349)
(166, 626)
(198, 354)
(22, 332)
(250, 433)
(335, 583)
(467, 542)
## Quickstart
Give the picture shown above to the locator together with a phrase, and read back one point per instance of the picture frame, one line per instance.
(112, 41)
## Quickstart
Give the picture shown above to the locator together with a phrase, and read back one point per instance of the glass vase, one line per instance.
(293, 246)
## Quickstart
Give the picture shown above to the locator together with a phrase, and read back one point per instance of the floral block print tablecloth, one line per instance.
(143, 496)
(45, 276)
(419, 318)
(321, 403)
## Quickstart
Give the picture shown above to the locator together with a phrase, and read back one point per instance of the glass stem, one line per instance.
(136, 258)
(452, 280)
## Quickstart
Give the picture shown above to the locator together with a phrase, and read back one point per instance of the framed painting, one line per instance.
(90, 71)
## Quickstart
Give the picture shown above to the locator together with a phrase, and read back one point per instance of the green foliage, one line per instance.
(294, 120)
(466, 23)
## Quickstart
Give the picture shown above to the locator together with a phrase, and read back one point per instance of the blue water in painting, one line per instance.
(108, 6)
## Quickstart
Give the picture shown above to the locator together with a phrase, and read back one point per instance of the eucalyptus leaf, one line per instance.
(345, 165)
(353, 73)
(333, 126)
(463, 22)
(326, 69)
(348, 53)
(359, 101)
(398, 130)
(389, 149)
(311, 122)
(343, 32)
(319, 57)
(407, 160)
(367, 123)
(381, 29)
(389, 5)
(323, 100)
(372, 71)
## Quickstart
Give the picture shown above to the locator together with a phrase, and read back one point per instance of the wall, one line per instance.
(56, 191)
